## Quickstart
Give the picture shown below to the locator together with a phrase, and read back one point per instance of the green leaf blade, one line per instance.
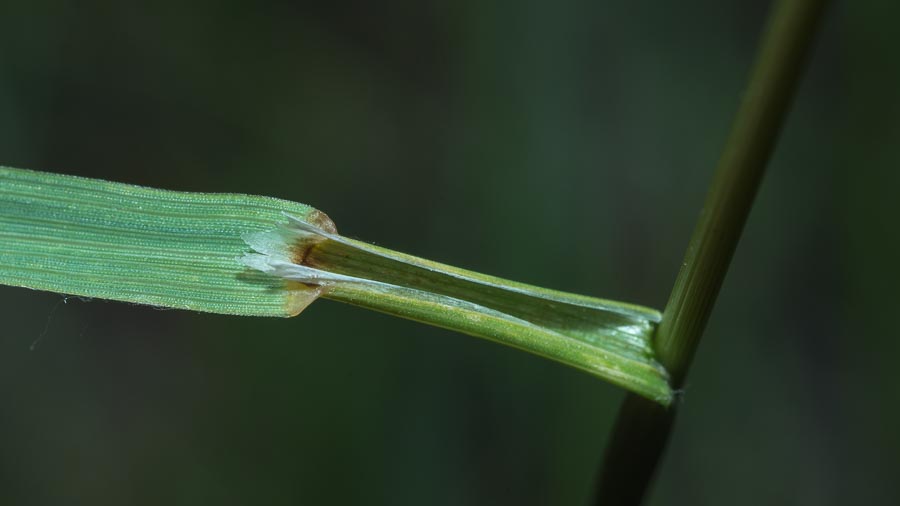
(122, 242)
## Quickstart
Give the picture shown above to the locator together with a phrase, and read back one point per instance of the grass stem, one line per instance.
(642, 429)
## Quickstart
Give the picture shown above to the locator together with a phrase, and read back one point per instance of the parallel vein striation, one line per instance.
(122, 242)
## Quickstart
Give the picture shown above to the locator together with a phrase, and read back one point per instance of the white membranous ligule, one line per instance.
(273, 253)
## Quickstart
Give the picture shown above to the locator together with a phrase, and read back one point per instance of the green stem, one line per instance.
(642, 428)
(753, 136)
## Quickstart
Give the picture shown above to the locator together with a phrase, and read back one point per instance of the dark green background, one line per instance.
(566, 144)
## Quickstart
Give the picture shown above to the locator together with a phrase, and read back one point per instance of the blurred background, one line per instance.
(566, 144)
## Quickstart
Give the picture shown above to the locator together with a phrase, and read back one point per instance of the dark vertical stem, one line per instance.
(634, 449)
(642, 428)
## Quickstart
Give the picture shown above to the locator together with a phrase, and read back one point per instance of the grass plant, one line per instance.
(258, 256)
